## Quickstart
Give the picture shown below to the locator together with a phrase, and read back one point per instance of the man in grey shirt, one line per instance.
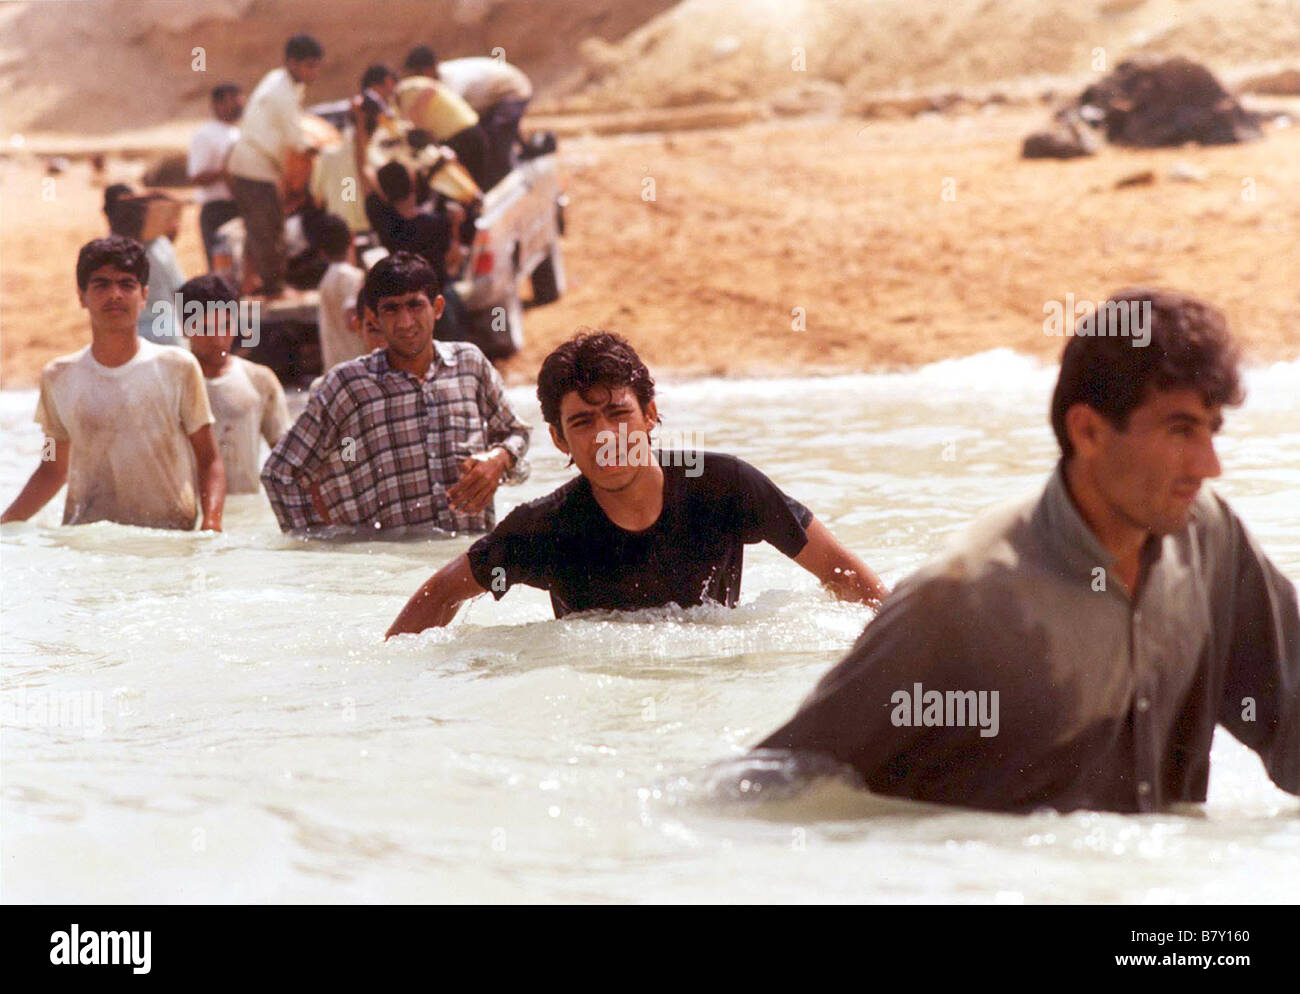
(1078, 649)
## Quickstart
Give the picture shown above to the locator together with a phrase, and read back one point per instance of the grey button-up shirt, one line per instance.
(1103, 701)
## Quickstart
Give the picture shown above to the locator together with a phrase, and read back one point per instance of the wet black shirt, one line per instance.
(565, 543)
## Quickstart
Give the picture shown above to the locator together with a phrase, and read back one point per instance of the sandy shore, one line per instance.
(813, 246)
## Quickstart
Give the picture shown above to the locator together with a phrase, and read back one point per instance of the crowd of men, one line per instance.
(1119, 615)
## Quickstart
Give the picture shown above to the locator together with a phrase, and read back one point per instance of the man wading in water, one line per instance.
(417, 436)
(1115, 618)
(634, 530)
(127, 423)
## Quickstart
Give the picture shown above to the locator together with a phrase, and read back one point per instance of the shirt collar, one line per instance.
(1064, 531)
(443, 355)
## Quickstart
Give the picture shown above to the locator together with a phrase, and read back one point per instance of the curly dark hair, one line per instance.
(124, 253)
(1190, 348)
(591, 358)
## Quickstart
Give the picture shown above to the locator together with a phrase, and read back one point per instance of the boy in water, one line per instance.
(634, 530)
(247, 399)
(126, 422)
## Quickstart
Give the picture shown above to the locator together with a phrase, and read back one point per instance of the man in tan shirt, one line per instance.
(270, 129)
(127, 423)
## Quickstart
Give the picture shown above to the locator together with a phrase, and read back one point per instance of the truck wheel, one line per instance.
(548, 278)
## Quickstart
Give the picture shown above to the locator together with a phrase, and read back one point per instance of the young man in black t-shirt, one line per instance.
(638, 528)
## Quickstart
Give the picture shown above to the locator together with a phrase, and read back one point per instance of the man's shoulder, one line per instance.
(342, 376)
(60, 363)
(466, 353)
(341, 278)
(549, 513)
(262, 376)
(176, 360)
(717, 473)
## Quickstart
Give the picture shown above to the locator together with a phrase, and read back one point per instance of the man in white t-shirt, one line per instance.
(271, 128)
(247, 399)
(209, 149)
(340, 334)
(127, 423)
(499, 93)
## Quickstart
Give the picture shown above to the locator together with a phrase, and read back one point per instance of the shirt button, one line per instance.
(1143, 704)
(1144, 788)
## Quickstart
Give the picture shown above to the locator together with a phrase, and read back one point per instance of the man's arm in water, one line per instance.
(212, 478)
(438, 599)
(45, 482)
(847, 576)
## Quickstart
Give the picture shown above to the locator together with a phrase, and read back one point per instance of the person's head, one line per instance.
(227, 102)
(209, 316)
(113, 282)
(421, 61)
(302, 57)
(395, 182)
(589, 387)
(368, 321)
(406, 297)
(1135, 423)
(381, 79)
(118, 219)
(334, 238)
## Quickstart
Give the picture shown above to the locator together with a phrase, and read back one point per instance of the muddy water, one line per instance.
(215, 718)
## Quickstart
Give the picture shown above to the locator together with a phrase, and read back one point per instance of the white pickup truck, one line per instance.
(517, 237)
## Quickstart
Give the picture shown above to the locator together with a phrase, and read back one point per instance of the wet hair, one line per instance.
(209, 288)
(399, 274)
(223, 90)
(592, 358)
(126, 254)
(375, 73)
(1190, 348)
(420, 58)
(394, 181)
(303, 47)
(333, 236)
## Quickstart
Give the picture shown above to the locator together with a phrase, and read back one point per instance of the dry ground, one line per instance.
(842, 223)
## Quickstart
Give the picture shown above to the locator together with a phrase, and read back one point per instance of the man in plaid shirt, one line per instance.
(417, 434)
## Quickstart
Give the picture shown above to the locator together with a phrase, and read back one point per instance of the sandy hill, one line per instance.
(729, 49)
(102, 66)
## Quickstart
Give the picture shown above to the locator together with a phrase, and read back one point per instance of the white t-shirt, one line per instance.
(334, 183)
(157, 320)
(270, 128)
(483, 81)
(248, 403)
(338, 291)
(208, 150)
(129, 427)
